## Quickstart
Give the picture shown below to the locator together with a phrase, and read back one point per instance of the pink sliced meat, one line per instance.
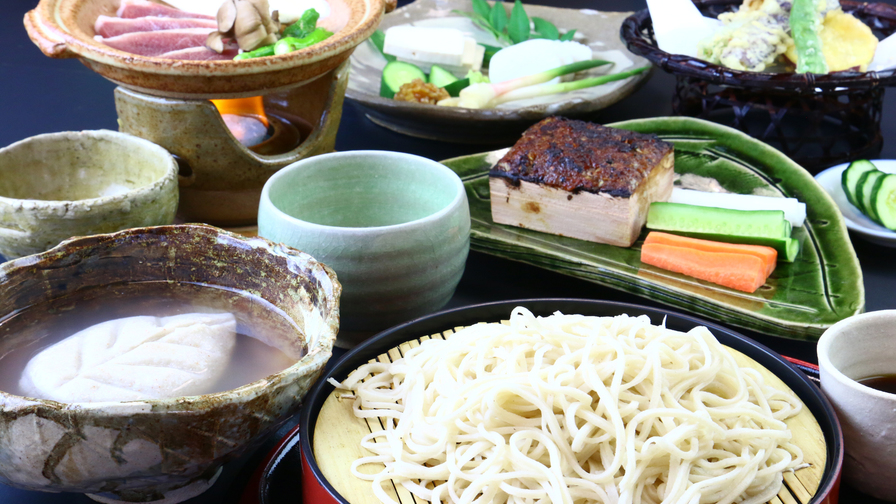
(143, 8)
(200, 53)
(338, 18)
(108, 26)
(154, 43)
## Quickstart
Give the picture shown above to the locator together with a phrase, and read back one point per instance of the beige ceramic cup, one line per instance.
(855, 348)
(78, 183)
(395, 227)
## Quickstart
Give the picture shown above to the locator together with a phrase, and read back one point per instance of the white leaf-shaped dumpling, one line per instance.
(134, 358)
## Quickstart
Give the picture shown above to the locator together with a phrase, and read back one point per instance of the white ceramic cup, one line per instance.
(394, 227)
(855, 348)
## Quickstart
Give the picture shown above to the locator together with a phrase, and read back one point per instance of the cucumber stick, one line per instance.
(755, 227)
(805, 26)
(883, 200)
(717, 221)
(397, 73)
(851, 176)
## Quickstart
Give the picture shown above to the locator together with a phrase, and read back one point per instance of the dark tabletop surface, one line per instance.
(41, 95)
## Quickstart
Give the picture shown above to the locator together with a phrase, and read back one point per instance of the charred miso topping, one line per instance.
(582, 156)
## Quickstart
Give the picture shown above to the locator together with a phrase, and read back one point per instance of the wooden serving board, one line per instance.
(338, 433)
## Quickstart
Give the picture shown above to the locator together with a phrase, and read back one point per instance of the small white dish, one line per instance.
(855, 220)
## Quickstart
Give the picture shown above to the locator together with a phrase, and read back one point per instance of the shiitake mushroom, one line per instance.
(248, 22)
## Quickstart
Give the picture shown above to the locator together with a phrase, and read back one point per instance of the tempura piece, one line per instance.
(847, 43)
(752, 37)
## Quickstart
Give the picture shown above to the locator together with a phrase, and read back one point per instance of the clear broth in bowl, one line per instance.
(264, 345)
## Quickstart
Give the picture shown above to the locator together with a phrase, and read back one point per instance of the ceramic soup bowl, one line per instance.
(59, 185)
(395, 227)
(851, 351)
(157, 449)
(66, 29)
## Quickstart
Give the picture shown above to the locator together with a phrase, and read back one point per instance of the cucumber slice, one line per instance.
(883, 200)
(455, 87)
(866, 191)
(440, 77)
(850, 179)
(397, 73)
(751, 227)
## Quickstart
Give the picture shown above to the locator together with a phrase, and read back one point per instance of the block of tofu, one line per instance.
(426, 46)
(581, 180)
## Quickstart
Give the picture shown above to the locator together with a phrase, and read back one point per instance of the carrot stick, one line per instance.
(743, 272)
(768, 255)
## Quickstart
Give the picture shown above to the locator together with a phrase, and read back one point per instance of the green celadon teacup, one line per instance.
(395, 228)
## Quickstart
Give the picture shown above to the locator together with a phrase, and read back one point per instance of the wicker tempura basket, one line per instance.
(817, 120)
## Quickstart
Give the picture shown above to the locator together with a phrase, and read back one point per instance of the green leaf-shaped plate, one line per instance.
(800, 299)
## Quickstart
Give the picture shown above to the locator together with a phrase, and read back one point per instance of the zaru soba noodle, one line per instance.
(574, 409)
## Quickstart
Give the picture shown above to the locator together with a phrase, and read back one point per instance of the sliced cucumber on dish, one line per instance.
(440, 77)
(396, 74)
(455, 87)
(883, 200)
(865, 191)
(850, 179)
(872, 191)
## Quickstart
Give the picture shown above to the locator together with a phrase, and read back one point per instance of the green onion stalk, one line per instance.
(563, 87)
(485, 95)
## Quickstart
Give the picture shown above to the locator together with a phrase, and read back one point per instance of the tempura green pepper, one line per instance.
(805, 25)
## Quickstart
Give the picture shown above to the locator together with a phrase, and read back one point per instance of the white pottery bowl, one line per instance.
(860, 347)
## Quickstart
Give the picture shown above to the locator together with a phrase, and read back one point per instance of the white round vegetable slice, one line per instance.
(535, 56)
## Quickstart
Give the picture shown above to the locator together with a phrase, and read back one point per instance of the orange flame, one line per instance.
(243, 106)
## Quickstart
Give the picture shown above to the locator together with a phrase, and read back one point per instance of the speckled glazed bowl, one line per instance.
(64, 29)
(59, 185)
(395, 227)
(168, 449)
(859, 347)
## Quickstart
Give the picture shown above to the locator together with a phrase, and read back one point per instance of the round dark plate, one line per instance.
(287, 465)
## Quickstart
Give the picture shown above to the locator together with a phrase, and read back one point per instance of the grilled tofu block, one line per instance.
(581, 180)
